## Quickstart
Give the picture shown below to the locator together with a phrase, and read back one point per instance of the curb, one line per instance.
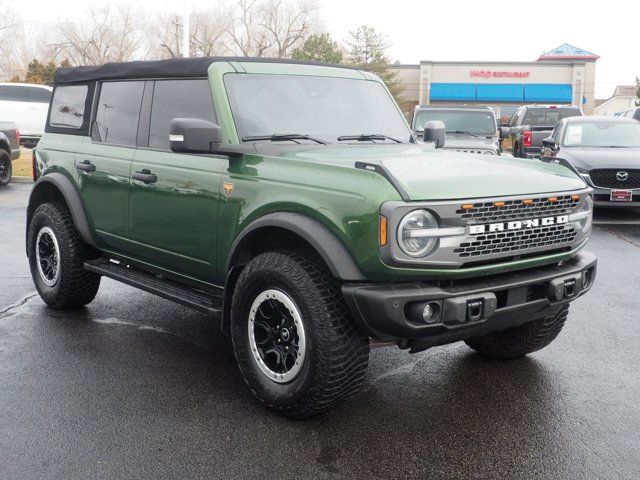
(21, 180)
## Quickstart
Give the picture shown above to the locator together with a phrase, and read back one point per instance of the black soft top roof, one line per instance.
(172, 67)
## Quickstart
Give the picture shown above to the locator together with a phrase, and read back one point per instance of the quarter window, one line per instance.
(68, 106)
(117, 113)
(13, 93)
(175, 99)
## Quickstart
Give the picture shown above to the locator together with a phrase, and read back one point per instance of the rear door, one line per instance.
(173, 217)
(13, 106)
(104, 160)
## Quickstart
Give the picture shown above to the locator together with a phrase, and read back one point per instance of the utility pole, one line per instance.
(185, 28)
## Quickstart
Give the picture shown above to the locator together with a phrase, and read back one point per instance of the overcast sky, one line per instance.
(460, 30)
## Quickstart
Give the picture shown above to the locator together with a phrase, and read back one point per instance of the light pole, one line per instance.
(185, 28)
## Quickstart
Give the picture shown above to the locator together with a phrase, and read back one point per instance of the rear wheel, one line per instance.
(519, 341)
(298, 348)
(5, 168)
(56, 257)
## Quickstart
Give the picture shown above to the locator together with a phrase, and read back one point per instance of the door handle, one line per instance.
(145, 176)
(85, 166)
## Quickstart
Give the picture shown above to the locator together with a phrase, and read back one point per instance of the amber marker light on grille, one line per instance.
(499, 204)
(382, 237)
(527, 201)
(575, 197)
(467, 206)
(553, 199)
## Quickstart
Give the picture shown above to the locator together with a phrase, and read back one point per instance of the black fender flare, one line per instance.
(71, 196)
(334, 253)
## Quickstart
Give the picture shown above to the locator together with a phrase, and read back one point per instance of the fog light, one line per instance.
(429, 313)
(424, 312)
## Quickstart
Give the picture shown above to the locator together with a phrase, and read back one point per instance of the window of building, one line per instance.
(175, 99)
(67, 106)
(13, 93)
(117, 113)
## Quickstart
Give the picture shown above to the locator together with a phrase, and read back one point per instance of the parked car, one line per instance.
(605, 151)
(291, 202)
(468, 129)
(26, 105)
(631, 113)
(9, 150)
(530, 124)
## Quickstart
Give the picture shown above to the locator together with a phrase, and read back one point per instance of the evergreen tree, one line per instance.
(318, 48)
(367, 50)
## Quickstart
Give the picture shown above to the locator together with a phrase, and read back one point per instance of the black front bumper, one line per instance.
(392, 312)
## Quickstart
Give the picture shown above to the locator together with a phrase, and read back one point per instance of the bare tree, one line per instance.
(288, 25)
(261, 28)
(10, 30)
(112, 33)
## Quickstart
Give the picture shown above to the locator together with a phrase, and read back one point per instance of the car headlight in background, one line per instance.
(414, 237)
(586, 207)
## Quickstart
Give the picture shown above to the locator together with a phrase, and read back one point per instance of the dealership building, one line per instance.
(564, 75)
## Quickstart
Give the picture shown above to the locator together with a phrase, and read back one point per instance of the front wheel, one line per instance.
(298, 348)
(5, 168)
(519, 341)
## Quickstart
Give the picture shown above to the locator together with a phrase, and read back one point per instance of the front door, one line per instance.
(173, 208)
(104, 161)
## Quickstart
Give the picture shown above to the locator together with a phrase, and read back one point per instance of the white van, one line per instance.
(26, 105)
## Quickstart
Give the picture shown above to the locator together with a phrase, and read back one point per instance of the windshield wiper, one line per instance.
(366, 137)
(463, 132)
(282, 137)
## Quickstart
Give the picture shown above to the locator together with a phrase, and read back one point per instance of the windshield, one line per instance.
(321, 107)
(544, 117)
(603, 134)
(475, 122)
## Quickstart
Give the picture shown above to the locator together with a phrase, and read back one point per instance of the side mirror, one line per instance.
(549, 142)
(434, 131)
(505, 132)
(194, 135)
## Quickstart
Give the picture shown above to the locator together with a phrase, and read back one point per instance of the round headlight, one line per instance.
(587, 206)
(413, 233)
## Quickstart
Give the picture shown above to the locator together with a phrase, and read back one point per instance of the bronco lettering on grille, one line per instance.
(517, 224)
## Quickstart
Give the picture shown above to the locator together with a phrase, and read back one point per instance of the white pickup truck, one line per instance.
(26, 105)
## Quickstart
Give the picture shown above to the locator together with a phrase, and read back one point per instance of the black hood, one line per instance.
(590, 158)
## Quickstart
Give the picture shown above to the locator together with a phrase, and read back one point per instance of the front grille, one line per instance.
(469, 151)
(487, 212)
(516, 241)
(607, 178)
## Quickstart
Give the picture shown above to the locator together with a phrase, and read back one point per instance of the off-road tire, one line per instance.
(5, 168)
(337, 350)
(75, 286)
(519, 341)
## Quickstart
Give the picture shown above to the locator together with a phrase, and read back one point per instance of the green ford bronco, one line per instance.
(291, 203)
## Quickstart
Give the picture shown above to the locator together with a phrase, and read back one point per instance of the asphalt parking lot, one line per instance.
(136, 387)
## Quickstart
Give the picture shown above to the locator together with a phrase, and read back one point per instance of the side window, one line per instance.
(514, 119)
(637, 114)
(174, 99)
(67, 106)
(13, 93)
(117, 113)
(39, 95)
(556, 133)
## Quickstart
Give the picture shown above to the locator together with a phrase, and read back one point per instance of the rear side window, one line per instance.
(543, 117)
(13, 93)
(175, 99)
(117, 113)
(68, 106)
(39, 95)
